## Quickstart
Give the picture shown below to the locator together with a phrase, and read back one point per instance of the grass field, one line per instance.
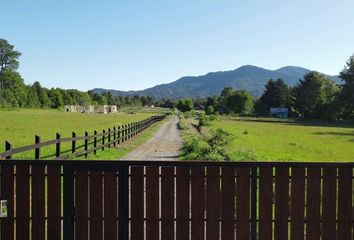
(20, 127)
(270, 140)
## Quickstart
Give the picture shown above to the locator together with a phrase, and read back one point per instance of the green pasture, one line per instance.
(20, 127)
(277, 140)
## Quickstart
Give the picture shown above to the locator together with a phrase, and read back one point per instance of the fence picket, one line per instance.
(198, 201)
(54, 202)
(137, 203)
(243, 203)
(297, 203)
(96, 205)
(281, 203)
(22, 202)
(313, 203)
(152, 203)
(213, 203)
(329, 203)
(38, 202)
(228, 203)
(182, 203)
(167, 203)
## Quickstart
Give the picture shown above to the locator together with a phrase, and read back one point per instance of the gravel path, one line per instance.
(164, 145)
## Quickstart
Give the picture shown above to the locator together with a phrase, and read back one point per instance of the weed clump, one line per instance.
(208, 148)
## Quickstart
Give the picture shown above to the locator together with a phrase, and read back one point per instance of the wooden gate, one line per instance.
(176, 200)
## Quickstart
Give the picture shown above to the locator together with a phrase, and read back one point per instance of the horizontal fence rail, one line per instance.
(92, 143)
(176, 200)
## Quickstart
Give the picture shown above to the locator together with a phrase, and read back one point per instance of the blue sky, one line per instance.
(137, 44)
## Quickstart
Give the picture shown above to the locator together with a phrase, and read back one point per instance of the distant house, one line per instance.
(89, 109)
(279, 112)
(74, 108)
(105, 109)
(79, 108)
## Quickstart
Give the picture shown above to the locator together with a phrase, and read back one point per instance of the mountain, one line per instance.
(247, 77)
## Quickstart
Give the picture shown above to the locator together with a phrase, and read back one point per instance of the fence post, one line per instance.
(126, 132)
(57, 146)
(109, 137)
(118, 134)
(37, 151)
(103, 138)
(8, 147)
(86, 144)
(114, 136)
(129, 130)
(73, 143)
(123, 131)
(95, 142)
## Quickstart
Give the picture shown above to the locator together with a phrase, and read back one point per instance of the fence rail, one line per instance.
(176, 200)
(114, 136)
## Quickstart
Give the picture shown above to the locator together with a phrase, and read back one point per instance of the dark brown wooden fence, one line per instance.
(176, 200)
(91, 143)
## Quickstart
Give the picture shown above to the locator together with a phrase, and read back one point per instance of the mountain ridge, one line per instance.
(248, 77)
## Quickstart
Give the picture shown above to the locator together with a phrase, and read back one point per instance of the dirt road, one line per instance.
(164, 145)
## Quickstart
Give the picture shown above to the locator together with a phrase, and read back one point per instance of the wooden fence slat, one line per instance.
(281, 203)
(81, 205)
(313, 203)
(167, 203)
(54, 202)
(198, 203)
(152, 203)
(182, 202)
(345, 202)
(329, 203)
(110, 206)
(137, 203)
(7, 193)
(297, 203)
(96, 205)
(228, 203)
(265, 203)
(213, 203)
(38, 202)
(22, 202)
(243, 198)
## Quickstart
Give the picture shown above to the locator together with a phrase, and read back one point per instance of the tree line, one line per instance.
(14, 93)
(315, 96)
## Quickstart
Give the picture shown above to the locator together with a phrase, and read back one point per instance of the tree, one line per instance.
(56, 98)
(346, 95)
(13, 92)
(8, 57)
(210, 110)
(240, 102)
(314, 94)
(43, 99)
(185, 105)
(12, 88)
(276, 94)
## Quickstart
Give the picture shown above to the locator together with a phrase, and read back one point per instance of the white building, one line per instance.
(74, 108)
(105, 109)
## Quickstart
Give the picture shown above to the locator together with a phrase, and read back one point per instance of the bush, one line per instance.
(210, 110)
(199, 148)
